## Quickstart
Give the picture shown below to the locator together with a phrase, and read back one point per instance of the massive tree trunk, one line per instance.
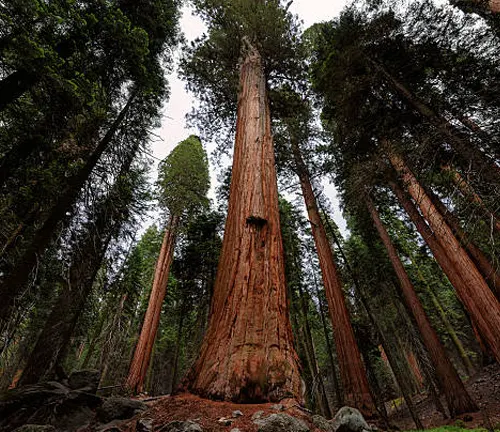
(468, 154)
(17, 275)
(352, 371)
(247, 354)
(471, 287)
(142, 355)
(457, 398)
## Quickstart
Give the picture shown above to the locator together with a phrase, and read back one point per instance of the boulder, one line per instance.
(84, 380)
(281, 423)
(321, 423)
(118, 408)
(349, 419)
(35, 428)
(181, 426)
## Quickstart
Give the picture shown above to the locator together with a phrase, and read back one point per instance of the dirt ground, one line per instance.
(484, 387)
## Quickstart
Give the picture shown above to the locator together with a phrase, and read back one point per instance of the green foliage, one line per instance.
(184, 179)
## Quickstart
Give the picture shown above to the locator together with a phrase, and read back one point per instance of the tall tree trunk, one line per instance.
(18, 275)
(483, 264)
(470, 194)
(352, 371)
(467, 152)
(142, 354)
(248, 356)
(309, 343)
(471, 287)
(457, 398)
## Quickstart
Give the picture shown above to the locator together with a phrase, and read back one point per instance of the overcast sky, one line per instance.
(174, 127)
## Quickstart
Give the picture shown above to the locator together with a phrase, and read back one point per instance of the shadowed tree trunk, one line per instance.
(14, 85)
(468, 153)
(352, 371)
(18, 275)
(471, 287)
(457, 398)
(247, 354)
(142, 354)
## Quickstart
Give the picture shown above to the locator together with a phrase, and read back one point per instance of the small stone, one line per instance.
(144, 425)
(235, 430)
(349, 419)
(225, 421)
(237, 413)
(278, 407)
(257, 415)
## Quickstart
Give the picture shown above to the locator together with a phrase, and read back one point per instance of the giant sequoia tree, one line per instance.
(183, 182)
(246, 356)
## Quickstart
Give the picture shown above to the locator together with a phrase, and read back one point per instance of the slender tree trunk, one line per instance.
(471, 287)
(352, 371)
(338, 393)
(142, 354)
(309, 343)
(248, 356)
(482, 263)
(468, 153)
(18, 275)
(469, 193)
(449, 328)
(175, 369)
(457, 398)
(93, 341)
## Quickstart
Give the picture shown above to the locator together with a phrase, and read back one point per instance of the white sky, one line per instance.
(174, 129)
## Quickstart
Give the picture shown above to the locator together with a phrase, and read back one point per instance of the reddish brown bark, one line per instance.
(142, 354)
(472, 289)
(247, 354)
(482, 262)
(457, 398)
(352, 370)
(469, 193)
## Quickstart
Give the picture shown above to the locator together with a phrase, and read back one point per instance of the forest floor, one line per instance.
(484, 387)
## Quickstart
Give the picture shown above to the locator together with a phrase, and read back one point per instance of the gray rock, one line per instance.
(237, 413)
(117, 408)
(321, 423)
(278, 407)
(349, 419)
(281, 423)
(87, 380)
(144, 425)
(225, 421)
(235, 430)
(257, 415)
(35, 428)
(181, 426)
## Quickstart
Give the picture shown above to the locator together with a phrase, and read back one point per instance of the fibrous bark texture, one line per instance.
(471, 287)
(247, 354)
(457, 398)
(352, 371)
(142, 354)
